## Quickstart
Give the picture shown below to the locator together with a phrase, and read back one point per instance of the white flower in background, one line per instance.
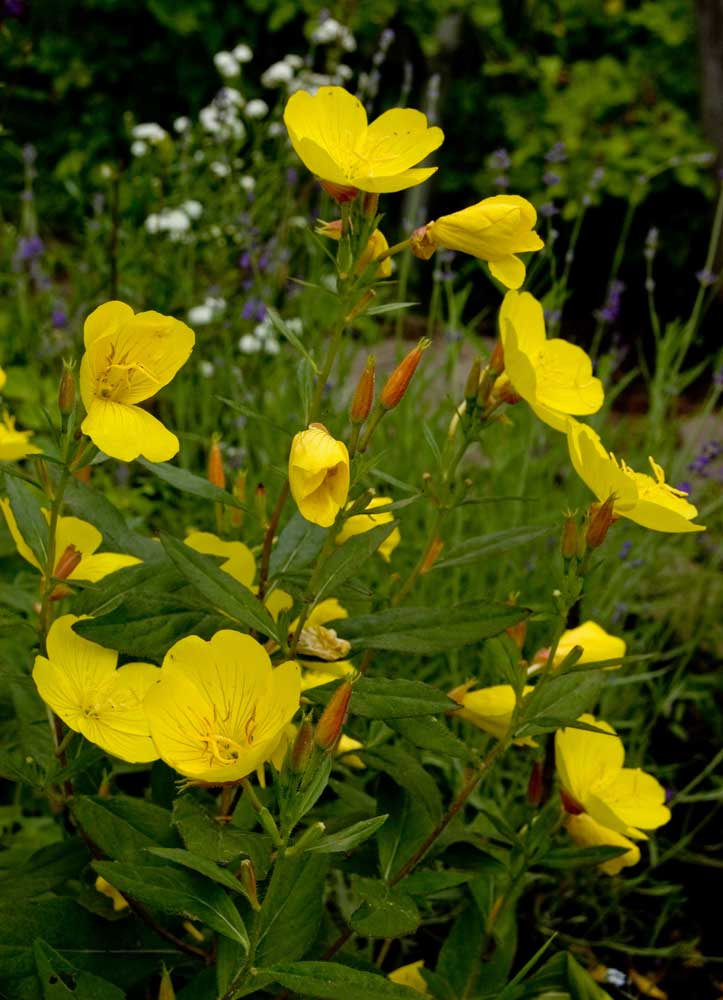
(296, 62)
(257, 108)
(182, 124)
(220, 169)
(298, 221)
(344, 72)
(199, 156)
(276, 74)
(139, 148)
(271, 346)
(248, 344)
(248, 183)
(242, 53)
(215, 232)
(227, 64)
(295, 325)
(173, 221)
(264, 329)
(326, 31)
(207, 312)
(311, 82)
(206, 368)
(193, 209)
(276, 129)
(229, 97)
(150, 132)
(209, 118)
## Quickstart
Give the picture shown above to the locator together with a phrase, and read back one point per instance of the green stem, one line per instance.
(633, 202)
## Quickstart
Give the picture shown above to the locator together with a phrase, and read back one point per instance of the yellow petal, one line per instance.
(597, 644)
(73, 531)
(397, 182)
(636, 798)
(333, 119)
(327, 611)
(125, 432)
(22, 546)
(490, 709)
(409, 975)
(95, 567)
(397, 140)
(526, 318)
(565, 381)
(587, 833)
(89, 662)
(14, 444)
(510, 270)
(598, 469)
(318, 475)
(278, 601)
(105, 320)
(239, 560)
(585, 760)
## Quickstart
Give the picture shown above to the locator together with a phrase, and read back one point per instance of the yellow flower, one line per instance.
(489, 709)
(79, 681)
(553, 376)
(597, 644)
(619, 800)
(239, 559)
(495, 229)
(587, 833)
(360, 523)
(647, 501)
(82, 535)
(14, 444)
(119, 901)
(3, 379)
(330, 134)
(409, 975)
(319, 475)
(127, 359)
(218, 708)
(376, 246)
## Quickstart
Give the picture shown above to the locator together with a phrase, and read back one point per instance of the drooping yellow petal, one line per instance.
(636, 798)
(409, 975)
(126, 432)
(397, 140)
(239, 559)
(510, 270)
(587, 833)
(597, 644)
(586, 760)
(22, 546)
(598, 470)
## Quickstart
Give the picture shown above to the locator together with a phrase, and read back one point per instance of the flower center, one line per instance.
(116, 379)
(224, 749)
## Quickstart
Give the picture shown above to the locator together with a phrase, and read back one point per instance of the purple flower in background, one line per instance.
(708, 453)
(499, 160)
(254, 309)
(557, 154)
(59, 318)
(501, 182)
(596, 177)
(13, 8)
(685, 487)
(292, 176)
(706, 277)
(244, 261)
(550, 178)
(29, 247)
(611, 310)
(553, 316)
(263, 262)
(625, 549)
(548, 209)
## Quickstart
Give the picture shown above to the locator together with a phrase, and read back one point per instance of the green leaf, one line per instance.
(198, 863)
(223, 843)
(408, 826)
(404, 768)
(197, 486)
(348, 558)
(315, 782)
(177, 892)
(344, 840)
(579, 857)
(122, 826)
(382, 698)
(426, 631)
(332, 981)
(431, 882)
(460, 956)
(389, 307)
(504, 654)
(483, 546)
(143, 629)
(558, 702)
(46, 869)
(60, 979)
(299, 544)
(26, 510)
(89, 504)
(429, 733)
(292, 338)
(385, 912)
(220, 589)
(292, 908)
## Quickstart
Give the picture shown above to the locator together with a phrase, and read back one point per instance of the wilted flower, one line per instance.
(319, 474)
(218, 707)
(331, 135)
(127, 359)
(79, 681)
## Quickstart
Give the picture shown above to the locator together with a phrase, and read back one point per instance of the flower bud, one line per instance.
(66, 390)
(331, 723)
(431, 555)
(569, 804)
(601, 517)
(569, 540)
(504, 391)
(303, 746)
(166, 991)
(472, 383)
(421, 244)
(82, 475)
(370, 204)
(332, 230)
(516, 632)
(339, 192)
(214, 468)
(497, 360)
(535, 784)
(260, 503)
(361, 403)
(398, 382)
(247, 878)
(68, 561)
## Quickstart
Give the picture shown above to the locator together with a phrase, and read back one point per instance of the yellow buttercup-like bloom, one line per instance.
(616, 802)
(79, 681)
(129, 358)
(360, 523)
(14, 444)
(553, 376)
(489, 708)
(597, 645)
(331, 135)
(409, 975)
(495, 229)
(82, 536)
(319, 475)
(646, 500)
(218, 708)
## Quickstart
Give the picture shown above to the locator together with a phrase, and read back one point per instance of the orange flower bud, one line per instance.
(82, 475)
(332, 230)
(504, 391)
(421, 244)
(399, 380)
(339, 192)
(360, 306)
(214, 469)
(68, 561)
(569, 804)
(331, 723)
(66, 390)
(569, 540)
(516, 632)
(361, 403)
(601, 517)
(302, 748)
(497, 361)
(247, 878)
(472, 384)
(260, 501)
(535, 784)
